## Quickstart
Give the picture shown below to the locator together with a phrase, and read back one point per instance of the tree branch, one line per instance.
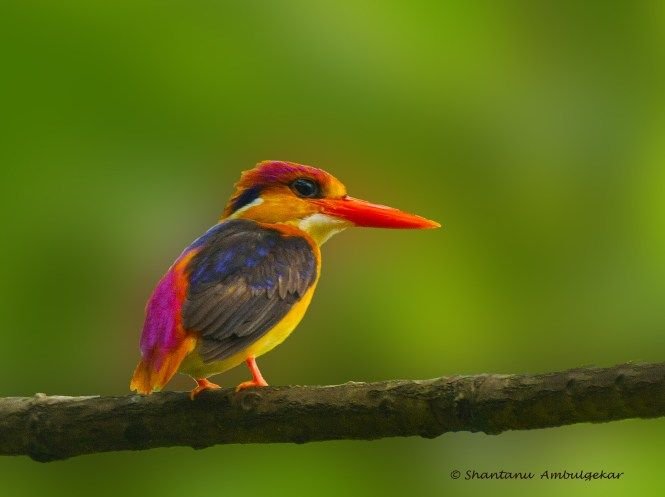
(48, 428)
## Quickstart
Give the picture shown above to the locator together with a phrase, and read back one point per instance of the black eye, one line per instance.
(306, 188)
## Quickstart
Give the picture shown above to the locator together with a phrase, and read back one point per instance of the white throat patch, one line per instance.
(321, 226)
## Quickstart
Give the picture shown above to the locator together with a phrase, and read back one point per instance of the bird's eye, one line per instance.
(306, 188)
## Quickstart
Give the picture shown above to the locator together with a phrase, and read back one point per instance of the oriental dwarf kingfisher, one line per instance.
(241, 288)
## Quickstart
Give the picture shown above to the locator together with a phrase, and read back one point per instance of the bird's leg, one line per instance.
(201, 385)
(257, 378)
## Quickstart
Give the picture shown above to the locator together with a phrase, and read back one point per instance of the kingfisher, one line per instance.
(241, 288)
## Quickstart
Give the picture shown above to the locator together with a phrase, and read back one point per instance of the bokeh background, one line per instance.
(532, 130)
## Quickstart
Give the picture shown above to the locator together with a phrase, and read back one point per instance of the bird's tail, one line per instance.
(155, 370)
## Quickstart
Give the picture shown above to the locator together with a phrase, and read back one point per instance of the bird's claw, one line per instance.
(251, 384)
(202, 385)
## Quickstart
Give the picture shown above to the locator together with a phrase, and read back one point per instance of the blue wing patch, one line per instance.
(242, 282)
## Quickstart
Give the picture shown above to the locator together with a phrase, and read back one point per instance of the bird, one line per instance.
(241, 288)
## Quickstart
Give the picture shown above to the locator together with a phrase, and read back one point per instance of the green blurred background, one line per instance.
(533, 131)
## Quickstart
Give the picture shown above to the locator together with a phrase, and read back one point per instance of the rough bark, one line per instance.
(48, 428)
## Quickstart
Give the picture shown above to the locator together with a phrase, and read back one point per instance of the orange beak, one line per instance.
(363, 213)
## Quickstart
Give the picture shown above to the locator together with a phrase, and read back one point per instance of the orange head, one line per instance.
(311, 199)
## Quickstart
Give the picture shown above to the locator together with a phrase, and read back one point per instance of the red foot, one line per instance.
(257, 378)
(201, 385)
(251, 384)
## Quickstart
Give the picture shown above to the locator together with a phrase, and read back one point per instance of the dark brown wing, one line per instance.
(242, 282)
